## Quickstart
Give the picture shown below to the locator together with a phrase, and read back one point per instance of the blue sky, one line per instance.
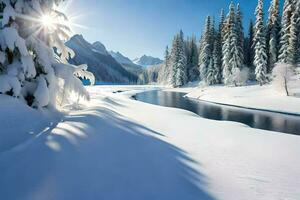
(137, 27)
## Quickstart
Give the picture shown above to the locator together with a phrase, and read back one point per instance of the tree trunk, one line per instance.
(286, 87)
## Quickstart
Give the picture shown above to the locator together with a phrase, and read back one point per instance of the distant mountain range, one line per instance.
(147, 61)
(99, 61)
(127, 63)
(109, 67)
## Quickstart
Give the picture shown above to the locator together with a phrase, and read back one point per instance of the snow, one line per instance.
(251, 96)
(41, 94)
(13, 40)
(116, 148)
(20, 123)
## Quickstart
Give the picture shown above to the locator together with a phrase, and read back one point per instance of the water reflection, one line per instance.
(256, 119)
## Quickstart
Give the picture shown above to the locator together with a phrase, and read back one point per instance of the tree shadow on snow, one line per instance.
(101, 155)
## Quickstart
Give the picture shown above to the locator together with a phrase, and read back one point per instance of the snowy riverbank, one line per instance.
(253, 96)
(117, 148)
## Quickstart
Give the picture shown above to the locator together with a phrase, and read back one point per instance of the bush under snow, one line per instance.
(285, 79)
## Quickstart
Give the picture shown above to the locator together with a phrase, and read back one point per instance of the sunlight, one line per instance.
(48, 21)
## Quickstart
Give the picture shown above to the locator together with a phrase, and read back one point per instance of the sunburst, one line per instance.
(53, 20)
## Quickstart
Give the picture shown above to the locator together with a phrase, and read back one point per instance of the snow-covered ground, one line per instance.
(117, 148)
(253, 96)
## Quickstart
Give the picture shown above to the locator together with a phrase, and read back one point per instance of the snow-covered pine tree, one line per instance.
(240, 32)
(192, 59)
(181, 74)
(211, 73)
(293, 50)
(217, 51)
(288, 9)
(174, 60)
(29, 68)
(260, 60)
(166, 72)
(226, 68)
(273, 34)
(232, 59)
(221, 23)
(206, 51)
(214, 73)
(178, 60)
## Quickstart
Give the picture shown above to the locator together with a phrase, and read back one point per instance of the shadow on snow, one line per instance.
(99, 154)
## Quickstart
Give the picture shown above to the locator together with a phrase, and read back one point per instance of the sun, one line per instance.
(48, 21)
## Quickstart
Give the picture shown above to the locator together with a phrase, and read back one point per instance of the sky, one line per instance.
(138, 27)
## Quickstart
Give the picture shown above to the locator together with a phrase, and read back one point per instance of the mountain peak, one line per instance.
(146, 61)
(98, 46)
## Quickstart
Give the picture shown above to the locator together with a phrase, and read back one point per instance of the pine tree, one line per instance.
(211, 73)
(226, 68)
(206, 52)
(232, 59)
(222, 21)
(167, 71)
(240, 32)
(260, 60)
(192, 59)
(178, 59)
(292, 51)
(288, 10)
(181, 75)
(217, 61)
(273, 34)
(174, 60)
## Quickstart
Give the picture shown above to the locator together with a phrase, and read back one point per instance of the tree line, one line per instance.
(225, 55)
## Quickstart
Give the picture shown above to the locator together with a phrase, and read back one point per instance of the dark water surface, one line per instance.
(256, 119)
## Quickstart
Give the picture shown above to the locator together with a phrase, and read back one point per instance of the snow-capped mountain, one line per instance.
(127, 63)
(99, 61)
(146, 61)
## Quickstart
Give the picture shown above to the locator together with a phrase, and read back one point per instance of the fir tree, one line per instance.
(192, 60)
(167, 65)
(174, 60)
(260, 60)
(273, 34)
(222, 21)
(288, 10)
(178, 59)
(211, 73)
(232, 59)
(181, 75)
(217, 61)
(206, 52)
(240, 32)
(292, 51)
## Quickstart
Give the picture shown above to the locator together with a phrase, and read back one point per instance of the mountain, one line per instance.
(99, 61)
(100, 48)
(120, 58)
(127, 63)
(146, 61)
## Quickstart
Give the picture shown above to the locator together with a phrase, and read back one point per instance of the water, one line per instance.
(256, 119)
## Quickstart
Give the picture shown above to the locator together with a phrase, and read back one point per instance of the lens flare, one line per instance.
(48, 21)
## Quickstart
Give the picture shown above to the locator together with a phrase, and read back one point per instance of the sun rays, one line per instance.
(60, 17)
